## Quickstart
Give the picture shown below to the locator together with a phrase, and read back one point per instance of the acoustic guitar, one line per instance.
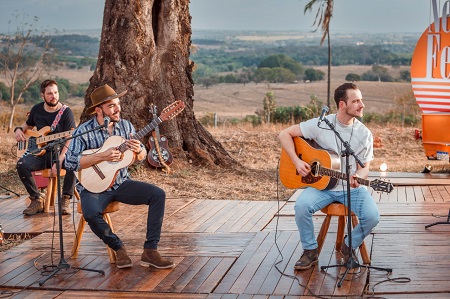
(325, 169)
(35, 140)
(99, 177)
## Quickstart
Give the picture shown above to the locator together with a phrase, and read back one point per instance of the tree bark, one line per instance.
(144, 49)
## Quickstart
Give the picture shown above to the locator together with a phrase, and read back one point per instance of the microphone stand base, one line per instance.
(353, 264)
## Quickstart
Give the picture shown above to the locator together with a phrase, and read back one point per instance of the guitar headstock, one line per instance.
(379, 185)
(172, 110)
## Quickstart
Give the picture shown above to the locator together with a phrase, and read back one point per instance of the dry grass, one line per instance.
(257, 149)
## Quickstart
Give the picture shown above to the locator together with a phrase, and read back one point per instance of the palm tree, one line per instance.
(323, 18)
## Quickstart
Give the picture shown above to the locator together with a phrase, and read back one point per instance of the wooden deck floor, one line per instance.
(236, 249)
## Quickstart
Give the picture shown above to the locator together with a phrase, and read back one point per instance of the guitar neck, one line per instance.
(47, 138)
(148, 128)
(340, 175)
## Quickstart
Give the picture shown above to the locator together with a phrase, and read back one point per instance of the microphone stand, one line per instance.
(56, 148)
(352, 262)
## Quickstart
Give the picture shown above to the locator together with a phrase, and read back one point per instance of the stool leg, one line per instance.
(323, 233)
(49, 195)
(362, 248)
(77, 195)
(340, 232)
(111, 253)
(78, 235)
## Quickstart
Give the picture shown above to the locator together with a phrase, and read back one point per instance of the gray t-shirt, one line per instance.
(358, 135)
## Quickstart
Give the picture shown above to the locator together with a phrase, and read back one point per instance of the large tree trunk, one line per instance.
(144, 48)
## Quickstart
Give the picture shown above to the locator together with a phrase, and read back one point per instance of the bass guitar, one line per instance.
(99, 177)
(325, 169)
(35, 140)
(158, 154)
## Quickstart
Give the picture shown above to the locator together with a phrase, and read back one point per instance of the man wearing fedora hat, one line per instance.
(59, 118)
(106, 105)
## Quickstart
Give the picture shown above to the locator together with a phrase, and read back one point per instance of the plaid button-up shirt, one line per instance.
(94, 140)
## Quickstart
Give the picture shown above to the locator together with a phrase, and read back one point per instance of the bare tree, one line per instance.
(269, 104)
(323, 18)
(145, 48)
(20, 75)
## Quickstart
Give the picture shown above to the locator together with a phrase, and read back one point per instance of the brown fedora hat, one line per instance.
(101, 95)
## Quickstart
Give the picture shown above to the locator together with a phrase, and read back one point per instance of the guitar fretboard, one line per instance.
(340, 175)
(144, 131)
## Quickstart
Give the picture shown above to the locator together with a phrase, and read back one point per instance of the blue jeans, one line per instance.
(312, 200)
(132, 193)
(29, 163)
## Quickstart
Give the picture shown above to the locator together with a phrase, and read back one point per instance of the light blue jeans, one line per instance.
(312, 200)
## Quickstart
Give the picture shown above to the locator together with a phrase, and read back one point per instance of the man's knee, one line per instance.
(301, 207)
(91, 217)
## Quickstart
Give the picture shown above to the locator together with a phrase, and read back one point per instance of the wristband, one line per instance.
(17, 128)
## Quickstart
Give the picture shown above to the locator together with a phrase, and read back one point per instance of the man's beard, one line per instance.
(51, 104)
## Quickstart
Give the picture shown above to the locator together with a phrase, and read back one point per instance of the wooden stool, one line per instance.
(338, 209)
(52, 187)
(112, 207)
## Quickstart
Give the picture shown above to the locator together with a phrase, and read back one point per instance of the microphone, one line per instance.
(106, 121)
(325, 110)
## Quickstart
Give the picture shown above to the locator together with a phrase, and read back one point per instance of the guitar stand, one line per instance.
(440, 222)
(351, 263)
(62, 265)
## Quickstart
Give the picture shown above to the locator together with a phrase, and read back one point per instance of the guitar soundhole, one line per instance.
(315, 168)
(313, 176)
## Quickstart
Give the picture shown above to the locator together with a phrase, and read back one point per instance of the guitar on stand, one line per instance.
(158, 155)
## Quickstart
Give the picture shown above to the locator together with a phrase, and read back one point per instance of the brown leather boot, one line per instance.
(122, 258)
(308, 259)
(346, 253)
(36, 206)
(151, 257)
(65, 204)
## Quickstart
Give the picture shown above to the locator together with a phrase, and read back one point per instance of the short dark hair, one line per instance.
(47, 83)
(340, 94)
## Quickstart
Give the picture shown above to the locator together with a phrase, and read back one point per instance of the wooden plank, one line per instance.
(199, 278)
(199, 264)
(279, 268)
(232, 276)
(156, 277)
(254, 222)
(216, 258)
(215, 226)
(213, 280)
(210, 225)
(169, 280)
(266, 266)
(130, 295)
(216, 210)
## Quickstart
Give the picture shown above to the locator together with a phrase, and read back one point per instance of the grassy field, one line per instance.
(256, 149)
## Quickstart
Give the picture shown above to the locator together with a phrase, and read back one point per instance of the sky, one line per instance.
(371, 16)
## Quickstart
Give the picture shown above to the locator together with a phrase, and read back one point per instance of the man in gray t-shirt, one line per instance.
(350, 106)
